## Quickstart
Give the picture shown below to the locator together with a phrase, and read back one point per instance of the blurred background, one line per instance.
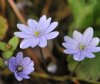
(71, 15)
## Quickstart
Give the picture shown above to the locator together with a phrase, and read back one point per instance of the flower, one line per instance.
(21, 67)
(36, 33)
(81, 45)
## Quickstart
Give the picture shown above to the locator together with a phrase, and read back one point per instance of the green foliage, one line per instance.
(8, 48)
(3, 27)
(1, 62)
(82, 12)
(97, 13)
(7, 54)
(3, 46)
(88, 68)
(14, 43)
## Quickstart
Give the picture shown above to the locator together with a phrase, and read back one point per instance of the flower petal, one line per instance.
(42, 20)
(78, 56)
(69, 46)
(12, 64)
(52, 35)
(24, 76)
(19, 78)
(45, 24)
(42, 42)
(87, 35)
(77, 36)
(88, 55)
(31, 63)
(22, 35)
(51, 27)
(92, 49)
(32, 23)
(70, 51)
(25, 61)
(28, 70)
(67, 39)
(25, 28)
(94, 41)
(35, 42)
(29, 42)
(19, 57)
(25, 43)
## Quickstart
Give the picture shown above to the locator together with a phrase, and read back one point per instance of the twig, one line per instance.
(55, 78)
(3, 6)
(61, 78)
(17, 12)
(46, 7)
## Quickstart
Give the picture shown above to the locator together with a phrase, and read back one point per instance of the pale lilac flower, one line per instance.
(36, 33)
(81, 45)
(21, 67)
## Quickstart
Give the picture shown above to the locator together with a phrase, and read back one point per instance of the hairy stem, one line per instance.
(77, 65)
(43, 60)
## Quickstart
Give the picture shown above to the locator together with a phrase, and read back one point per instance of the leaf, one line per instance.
(13, 42)
(97, 13)
(3, 27)
(1, 62)
(7, 54)
(97, 9)
(88, 68)
(3, 46)
(82, 12)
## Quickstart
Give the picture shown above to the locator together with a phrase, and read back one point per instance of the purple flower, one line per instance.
(36, 33)
(21, 67)
(81, 45)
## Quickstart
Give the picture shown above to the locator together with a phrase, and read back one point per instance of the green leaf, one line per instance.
(88, 68)
(3, 27)
(97, 13)
(7, 54)
(3, 46)
(1, 62)
(13, 42)
(82, 12)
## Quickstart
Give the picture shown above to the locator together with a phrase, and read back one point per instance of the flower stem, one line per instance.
(43, 60)
(77, 65)
(71, 28)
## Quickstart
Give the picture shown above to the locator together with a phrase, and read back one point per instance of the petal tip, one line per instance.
(90, 29)
(18, 25)
(43, 16)
(63, 44)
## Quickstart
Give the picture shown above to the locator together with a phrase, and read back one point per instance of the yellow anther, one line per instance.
(81, 47)
(36, 33)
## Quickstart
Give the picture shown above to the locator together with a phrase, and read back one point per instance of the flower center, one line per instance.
(36, 33)
(81, 47)
(19, 68)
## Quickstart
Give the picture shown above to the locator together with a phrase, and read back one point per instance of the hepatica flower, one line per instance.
(81, 45)
(21, 67)
(36, 33)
